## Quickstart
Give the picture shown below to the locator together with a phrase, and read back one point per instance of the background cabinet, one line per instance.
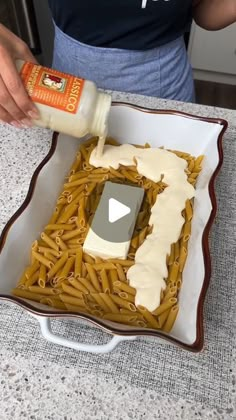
(213, 54)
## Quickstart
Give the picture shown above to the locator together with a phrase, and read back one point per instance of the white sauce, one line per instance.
(149, 271)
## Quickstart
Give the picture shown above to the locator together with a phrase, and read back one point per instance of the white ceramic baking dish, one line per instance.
(128, 123)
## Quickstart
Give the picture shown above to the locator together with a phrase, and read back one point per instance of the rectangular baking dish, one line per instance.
(128, 124)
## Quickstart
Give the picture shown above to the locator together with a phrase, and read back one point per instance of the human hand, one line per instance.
(16, 107)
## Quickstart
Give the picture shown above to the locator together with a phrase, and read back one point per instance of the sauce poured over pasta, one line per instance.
(149, 271)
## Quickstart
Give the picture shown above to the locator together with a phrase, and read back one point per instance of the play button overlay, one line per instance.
(116, 215)
(117, 210)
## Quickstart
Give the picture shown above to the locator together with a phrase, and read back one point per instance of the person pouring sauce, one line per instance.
(134, 46)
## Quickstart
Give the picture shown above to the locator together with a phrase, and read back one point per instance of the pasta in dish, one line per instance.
(62, 276)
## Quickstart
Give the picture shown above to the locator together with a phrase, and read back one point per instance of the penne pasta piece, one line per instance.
(173, 272)
(104, 266)
(59, 264)
(182, 258)
(72, 300)
(171, 318)
(77, 175)
(121, 274)
(189, 210)
(105, 282)
(113, 276)
(49, 241)
(123, 263)
(93, 277)
(61, 244)
(198, 162)
(81, 213)
(76, 183)
(176, 251)
(78, 261)
(149, 317)
(125, 287)
(87, 284)
(123, 303)
(42, 276)
(186, 231)
(72, 291)
(26, 294)
(164, 306)
(171, 291)
(116, 173)
(32, 280)
(45, 291)
(70, 235)
(67, 267)
(76, 164)
(120, 318)
(69, 211)
(50, 257)
(110, 303)
(22, 280)
(126, 296)
(31, 269)
(88, 259)
(100, 302)
(75, 195)
(49, 264)
(43, 250)
(77, 309)
(172, 255)
(78, 285)
(163, 317)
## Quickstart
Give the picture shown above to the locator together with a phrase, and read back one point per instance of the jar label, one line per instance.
(51, 87)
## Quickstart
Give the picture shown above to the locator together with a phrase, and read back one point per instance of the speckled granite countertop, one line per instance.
(37, 388)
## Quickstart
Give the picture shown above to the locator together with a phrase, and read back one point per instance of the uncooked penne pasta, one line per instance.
(173, 272)
(59, 264)
(49, 241)
(186, 231)
(72, 300)
(71, 291)
(93, 277)
(110, 303)
(60, 275)
(32, 280)
(189, 210)
(105, 282)
(45, 291)
(78, 285)
(26, 294)
(49, 264)
(87, 284)
(164, 306)
(171, 318)
(32, 269)
(149, 317)
(125, 287)
(123, 303)
(120, 318)
(67, 267)
(182, 258)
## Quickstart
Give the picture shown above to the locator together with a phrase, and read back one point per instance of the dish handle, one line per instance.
(45, 324)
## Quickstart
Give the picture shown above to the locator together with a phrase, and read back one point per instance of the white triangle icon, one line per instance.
(117, 210)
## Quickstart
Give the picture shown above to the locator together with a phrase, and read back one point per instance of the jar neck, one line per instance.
(99, 126)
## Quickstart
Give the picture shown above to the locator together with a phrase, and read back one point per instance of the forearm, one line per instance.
(214, 14)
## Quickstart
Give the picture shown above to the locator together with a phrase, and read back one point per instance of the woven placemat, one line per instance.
(203, 377)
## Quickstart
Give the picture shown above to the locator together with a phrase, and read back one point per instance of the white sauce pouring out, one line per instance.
(149, 271)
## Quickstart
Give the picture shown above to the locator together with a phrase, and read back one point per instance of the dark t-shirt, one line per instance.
(128, 24)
